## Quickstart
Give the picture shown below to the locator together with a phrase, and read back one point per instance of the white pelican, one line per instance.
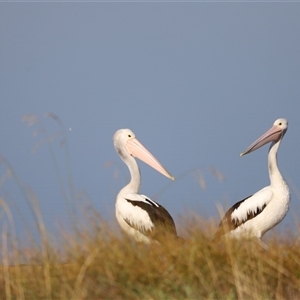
(139, 216)
(257, 214)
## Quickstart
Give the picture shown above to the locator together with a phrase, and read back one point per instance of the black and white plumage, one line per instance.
(257, 214)
(139, 216)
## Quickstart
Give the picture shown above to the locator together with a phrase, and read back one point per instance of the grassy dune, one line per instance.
(96, 264)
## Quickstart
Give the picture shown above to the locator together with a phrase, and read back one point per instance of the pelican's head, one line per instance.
(122, 136)
(127, 144)
(274, 134)
(282, 124)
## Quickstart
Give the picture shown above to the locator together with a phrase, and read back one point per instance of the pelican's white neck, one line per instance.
(134, 184)
(274, 173)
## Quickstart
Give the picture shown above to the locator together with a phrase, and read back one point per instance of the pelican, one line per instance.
(256, 214)
(138, 215)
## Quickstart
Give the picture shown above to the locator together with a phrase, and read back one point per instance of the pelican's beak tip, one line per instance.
(172, 177)
(241, 154)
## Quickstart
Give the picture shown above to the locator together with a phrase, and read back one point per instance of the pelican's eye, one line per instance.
(129, 135)
(280, 123)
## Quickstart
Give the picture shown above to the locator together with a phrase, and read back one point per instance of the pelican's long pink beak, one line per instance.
(136, 149)
(273, 134)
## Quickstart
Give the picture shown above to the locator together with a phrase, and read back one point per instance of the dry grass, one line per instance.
(99, 265)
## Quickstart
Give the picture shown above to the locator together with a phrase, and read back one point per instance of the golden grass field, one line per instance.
(95, 263)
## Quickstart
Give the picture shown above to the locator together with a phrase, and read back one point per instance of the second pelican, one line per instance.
(257, 214)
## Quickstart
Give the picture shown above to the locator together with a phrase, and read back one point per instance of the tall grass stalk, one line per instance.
(44, 244)
(5, 261)
(65, 143)
(68, 196)
(14, 248)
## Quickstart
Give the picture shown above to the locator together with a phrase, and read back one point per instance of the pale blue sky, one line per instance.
(196, 82)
